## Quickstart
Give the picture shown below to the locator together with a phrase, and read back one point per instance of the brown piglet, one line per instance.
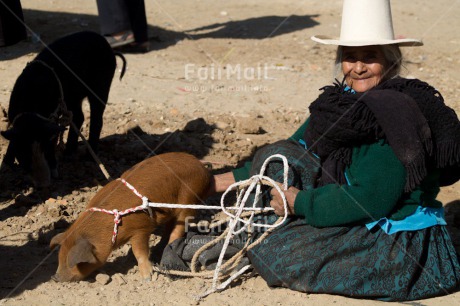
(177, 178)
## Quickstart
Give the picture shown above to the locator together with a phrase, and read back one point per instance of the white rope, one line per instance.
(241, 201)
(147, 204)
(255, 181)
(210, 207)
(224, 284)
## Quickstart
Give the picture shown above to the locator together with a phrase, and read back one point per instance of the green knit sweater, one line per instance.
(376, 180)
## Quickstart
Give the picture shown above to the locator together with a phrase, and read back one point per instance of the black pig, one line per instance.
(74, 67)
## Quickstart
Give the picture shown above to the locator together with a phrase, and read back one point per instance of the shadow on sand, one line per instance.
(43, 24)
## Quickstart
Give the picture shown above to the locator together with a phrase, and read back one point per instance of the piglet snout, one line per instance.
(40, 171)
(63, 277)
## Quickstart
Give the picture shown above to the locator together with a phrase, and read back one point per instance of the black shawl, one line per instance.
(409, 114)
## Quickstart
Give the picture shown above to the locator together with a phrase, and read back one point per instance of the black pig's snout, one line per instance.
(40, 170)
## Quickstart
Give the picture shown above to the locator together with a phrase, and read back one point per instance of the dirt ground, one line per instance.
(179, 97)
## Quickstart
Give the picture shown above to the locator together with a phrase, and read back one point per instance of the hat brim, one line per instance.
(405, 42)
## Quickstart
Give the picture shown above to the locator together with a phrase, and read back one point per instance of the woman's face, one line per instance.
(364, 67)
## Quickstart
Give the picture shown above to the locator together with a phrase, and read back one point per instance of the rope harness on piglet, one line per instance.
(118, 214)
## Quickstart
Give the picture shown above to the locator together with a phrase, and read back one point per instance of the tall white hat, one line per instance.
(365, 23)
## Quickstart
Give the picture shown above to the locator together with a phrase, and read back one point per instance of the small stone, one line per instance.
(249, 126)
(62, 202)
(119, 279)
(102, 279)
(40, 210)
(221, 125)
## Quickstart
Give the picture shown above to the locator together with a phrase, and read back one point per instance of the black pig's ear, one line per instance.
(82, 251)
(9, 134)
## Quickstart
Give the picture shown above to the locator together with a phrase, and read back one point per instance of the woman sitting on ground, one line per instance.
(369, 224)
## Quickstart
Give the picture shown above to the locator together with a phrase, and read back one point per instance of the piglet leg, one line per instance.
(181, 225)
(140, 246)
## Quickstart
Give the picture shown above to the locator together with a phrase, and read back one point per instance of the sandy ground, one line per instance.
(178, 97)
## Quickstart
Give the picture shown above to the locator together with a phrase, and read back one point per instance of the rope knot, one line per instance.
(145, 206)
(257, 178)
(145, 202)
(117, 215)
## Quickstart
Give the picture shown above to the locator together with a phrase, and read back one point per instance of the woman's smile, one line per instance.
(364, 67)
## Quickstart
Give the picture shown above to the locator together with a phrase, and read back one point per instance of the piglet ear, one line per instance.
(56, 240)
(9, 134)
(82, 251)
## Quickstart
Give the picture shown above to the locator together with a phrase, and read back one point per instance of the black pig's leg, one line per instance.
(9, 156)
(77, 119)
(97, 101)
(50, 157)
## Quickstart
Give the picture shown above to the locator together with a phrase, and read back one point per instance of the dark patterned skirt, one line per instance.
(351, 261)
(356, 262)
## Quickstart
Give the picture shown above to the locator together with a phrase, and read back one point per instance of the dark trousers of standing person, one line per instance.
(121, 15)
(12, 29)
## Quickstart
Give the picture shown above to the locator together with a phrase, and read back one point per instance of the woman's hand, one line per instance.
(277, 200)
(220, 183)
